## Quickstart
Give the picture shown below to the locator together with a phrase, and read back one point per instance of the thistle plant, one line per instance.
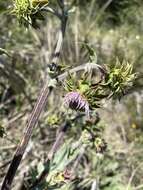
(84, 92)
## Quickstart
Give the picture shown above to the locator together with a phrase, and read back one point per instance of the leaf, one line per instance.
(92, 54)
(64, 156)
(40, 167)
(4, 51)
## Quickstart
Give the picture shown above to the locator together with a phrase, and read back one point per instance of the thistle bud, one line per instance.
(76, 101)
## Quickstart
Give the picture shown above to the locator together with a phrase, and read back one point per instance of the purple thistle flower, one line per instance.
(74, 100)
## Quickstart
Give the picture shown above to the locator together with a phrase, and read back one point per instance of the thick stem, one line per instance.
(34, 117)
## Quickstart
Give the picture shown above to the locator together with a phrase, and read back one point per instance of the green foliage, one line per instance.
(63, 168)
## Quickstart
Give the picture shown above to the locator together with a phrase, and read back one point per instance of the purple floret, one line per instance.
(75, 101)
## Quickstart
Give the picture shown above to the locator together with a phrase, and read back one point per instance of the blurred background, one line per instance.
(114, 28)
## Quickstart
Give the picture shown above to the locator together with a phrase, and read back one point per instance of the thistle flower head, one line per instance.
(83, 91)
(27, 11)
(120, 78)
(22, 9)
(76, 101)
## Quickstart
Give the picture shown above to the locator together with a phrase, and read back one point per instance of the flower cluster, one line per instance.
(85, 94)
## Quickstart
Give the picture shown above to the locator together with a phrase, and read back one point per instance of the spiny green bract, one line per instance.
(120, 78)
(27, 11)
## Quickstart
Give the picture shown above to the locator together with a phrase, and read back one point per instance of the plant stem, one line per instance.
(34, 117)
